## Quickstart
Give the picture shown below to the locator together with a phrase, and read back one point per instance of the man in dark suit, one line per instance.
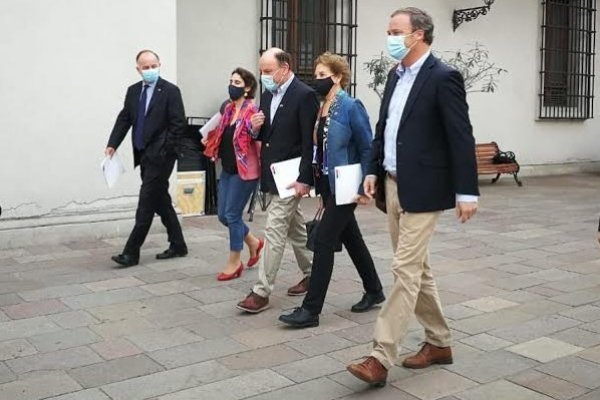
(285, 123)
(154, 108)
(424, 159)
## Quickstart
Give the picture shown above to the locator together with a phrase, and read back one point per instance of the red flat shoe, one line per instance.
(253, 260)
(227, 277)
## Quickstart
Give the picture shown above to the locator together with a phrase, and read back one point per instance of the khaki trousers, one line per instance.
(414, 289)
(284, 222)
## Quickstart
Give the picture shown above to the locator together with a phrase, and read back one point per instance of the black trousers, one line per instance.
(155, 199)
(337, 223)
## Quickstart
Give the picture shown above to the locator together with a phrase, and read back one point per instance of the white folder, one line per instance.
(348, 179)
(212, 123)
(112, 169)
(285, 173)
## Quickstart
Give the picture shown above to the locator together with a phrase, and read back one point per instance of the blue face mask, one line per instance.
(150, 75)
(396, 46)
(269, 83)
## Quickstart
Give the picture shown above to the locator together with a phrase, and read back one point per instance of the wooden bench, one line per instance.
(485, 165)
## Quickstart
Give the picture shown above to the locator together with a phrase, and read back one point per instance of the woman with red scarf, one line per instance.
(233, 144)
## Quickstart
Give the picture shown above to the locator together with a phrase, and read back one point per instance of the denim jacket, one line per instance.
(349, 136)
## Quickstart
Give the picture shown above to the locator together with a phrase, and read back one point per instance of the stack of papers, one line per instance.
(285, 173)
(348, 179)
(112, 169)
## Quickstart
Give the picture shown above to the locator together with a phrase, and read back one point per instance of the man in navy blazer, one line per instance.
(284, 125)
(154, 110)
(423, 163)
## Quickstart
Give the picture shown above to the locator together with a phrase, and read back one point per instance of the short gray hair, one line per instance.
(419, 19)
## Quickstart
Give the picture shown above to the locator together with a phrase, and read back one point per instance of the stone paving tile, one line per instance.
(115, 348)
(320, 344)
(575, 370)
(266, 357)
(15, 348)
(65, 339)
(162, 339)
(489, 321)
(492, 366)
(269, 336)
(116, 370)
(57, 360)
(310, 368)
(88, 394)
(26, 328)
(116, 329)
(435, 384)
(486, 342)
(532, 329)
(53, 292)
(161, 383)
(6, 375)
(587, 313)
(548, 385)
(388, 392)
(544, 349)
(542, 307)
(489, 304)
(460, 311)
(73, 319)
(197, 352)
(578, 337)
(592, 354)
(105, 298)
(318, 389)
(39, 385)
(35, 309)
(9, 299)
(501, 390)
(112, 284)
(593, 395)
(577, 298)
(239, 387)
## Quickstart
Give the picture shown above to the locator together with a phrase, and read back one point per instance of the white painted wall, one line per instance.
(511, 33)
(214, 38)
(65, 67)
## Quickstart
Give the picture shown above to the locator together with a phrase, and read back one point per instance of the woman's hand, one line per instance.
(204, 141)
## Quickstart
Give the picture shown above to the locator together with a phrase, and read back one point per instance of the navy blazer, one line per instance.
(435, 148)
(164, 125)
(290, 135)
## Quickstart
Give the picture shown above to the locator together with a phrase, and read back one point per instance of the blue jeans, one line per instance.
(232, 198)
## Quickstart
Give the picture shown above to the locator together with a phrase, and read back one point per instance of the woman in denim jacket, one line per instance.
(342, 137)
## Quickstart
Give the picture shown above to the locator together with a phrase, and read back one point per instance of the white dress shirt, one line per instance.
(278, 95)
(406, 80)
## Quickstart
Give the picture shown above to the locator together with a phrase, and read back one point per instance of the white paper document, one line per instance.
(112, 169)
(348, 179)
(212, 123)
(285, 173)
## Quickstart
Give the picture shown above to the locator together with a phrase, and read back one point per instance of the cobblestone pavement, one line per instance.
(520, 284)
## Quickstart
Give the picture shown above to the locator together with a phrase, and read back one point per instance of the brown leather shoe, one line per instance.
(370, 371)
(429, 355)
(254, 303)
(300, 289)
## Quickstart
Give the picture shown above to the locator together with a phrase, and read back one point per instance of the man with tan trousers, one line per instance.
(423, 163)
(288, 111)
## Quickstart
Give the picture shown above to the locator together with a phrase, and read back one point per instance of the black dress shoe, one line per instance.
(126, 260)
(171, 253)
(300, 318)
(368, 301)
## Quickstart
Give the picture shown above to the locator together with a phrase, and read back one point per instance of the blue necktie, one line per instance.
(138, 133)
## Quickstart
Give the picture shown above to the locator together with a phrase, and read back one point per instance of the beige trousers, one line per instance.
(284, 222)
(414, 289)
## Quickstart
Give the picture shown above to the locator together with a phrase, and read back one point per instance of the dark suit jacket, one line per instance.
(435, 148)
(164, 125)
(290, 134)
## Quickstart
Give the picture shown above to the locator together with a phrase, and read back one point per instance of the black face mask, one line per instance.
(235, 92)
(323, 86)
